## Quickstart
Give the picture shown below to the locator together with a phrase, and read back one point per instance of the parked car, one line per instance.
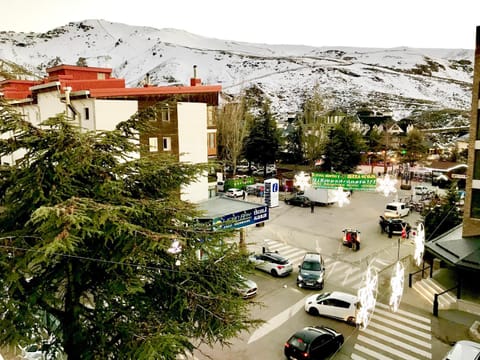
(298, 200)
(313, 342)
(394, 226)
(464, 350)
(396, 210)
(423, 190)
(337, 304)
(247, 288)
(311, 272)
(234, 193)
(272, 263)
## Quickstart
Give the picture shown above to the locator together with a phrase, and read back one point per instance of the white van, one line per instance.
(396, 210)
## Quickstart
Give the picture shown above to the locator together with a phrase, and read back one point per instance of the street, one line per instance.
(292, 231)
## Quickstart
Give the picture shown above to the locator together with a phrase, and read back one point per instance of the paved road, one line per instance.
(292, 231)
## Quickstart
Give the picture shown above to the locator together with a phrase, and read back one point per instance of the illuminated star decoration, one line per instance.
(396, 285)
(419, 244)
(386, 185)
(367, 296)
(340, 197)
(301, 180)
(174, 249)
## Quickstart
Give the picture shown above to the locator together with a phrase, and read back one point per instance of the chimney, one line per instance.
(194, 81)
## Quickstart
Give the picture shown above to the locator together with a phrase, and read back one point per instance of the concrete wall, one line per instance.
(192, 146)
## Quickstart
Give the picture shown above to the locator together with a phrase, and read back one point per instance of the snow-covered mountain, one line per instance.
(397, 79)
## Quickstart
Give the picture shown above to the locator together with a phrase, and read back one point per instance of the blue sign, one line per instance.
(241, 219)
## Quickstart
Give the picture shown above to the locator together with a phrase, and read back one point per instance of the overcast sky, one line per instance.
(356, 23)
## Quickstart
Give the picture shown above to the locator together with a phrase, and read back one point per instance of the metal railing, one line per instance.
(422, 270)
(435, 299)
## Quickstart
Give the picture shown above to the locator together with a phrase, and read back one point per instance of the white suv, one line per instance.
(272, 263)
(396, 210)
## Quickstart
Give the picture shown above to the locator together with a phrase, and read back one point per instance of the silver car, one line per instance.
(273, 263)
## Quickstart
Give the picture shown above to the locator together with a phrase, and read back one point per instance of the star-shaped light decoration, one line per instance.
(419, 240)
(367, 296)
(302, 180)
(386, 185)
(396, 285)
(341, 197)
(175, 247)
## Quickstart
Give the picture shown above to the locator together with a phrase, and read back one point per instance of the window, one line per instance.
(211, 140)
(87, 113)
(475, 208)
(165, 114)
(167, 144)
(153, 144)
(476, 165)
(100, 76)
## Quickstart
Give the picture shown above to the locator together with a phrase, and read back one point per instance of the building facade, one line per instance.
(184, 126)
(471, 220)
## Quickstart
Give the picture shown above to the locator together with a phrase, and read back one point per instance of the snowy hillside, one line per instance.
(396, 79)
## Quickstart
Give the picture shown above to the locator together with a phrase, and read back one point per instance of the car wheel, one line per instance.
(287, 202)
(302, 205)
(274, 272)
(313, 311)
(351, 320)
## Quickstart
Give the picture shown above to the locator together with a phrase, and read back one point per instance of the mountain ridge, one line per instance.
(402, 80)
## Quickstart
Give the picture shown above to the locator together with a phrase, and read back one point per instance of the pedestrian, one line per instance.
(312, 207)
(243, 195)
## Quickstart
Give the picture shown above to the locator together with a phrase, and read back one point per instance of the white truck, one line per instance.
(320, 196)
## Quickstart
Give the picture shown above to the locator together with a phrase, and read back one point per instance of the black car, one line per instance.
(298, 200)
(313, 342)
(394, 226)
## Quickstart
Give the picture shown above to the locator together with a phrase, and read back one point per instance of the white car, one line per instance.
(396, 210)
(247, 288)
(337, 304)
(464, 350)
(272, 263)
(422, 190)
(234, 193)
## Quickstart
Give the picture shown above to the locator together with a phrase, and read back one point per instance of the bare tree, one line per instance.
(232, 129)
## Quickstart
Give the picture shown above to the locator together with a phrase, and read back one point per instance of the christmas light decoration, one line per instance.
(367, 296)
(396, 284)
(419, 240)
(302, 180)
(341, 197)
(386, 185)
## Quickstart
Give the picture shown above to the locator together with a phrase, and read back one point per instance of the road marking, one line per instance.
(373, 324)
(372, 353)
(386, 348)
(398, 343)
(406, 313)
(403, 319)
(277, 321)
(401, 327)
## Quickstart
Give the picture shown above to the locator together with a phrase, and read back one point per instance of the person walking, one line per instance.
(312, 207)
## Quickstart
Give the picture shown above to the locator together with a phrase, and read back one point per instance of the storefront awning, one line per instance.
(461, 252)
(225, 213)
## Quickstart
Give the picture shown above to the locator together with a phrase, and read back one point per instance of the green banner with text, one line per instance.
(347, 181)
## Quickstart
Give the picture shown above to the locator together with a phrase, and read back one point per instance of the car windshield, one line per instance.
(311, 265)
(299, 343)
(391, 207)
(322, 296)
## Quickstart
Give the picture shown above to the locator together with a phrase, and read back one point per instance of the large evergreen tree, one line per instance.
(262, 144)
(89, 256)
(442, 214)
(343, 149)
